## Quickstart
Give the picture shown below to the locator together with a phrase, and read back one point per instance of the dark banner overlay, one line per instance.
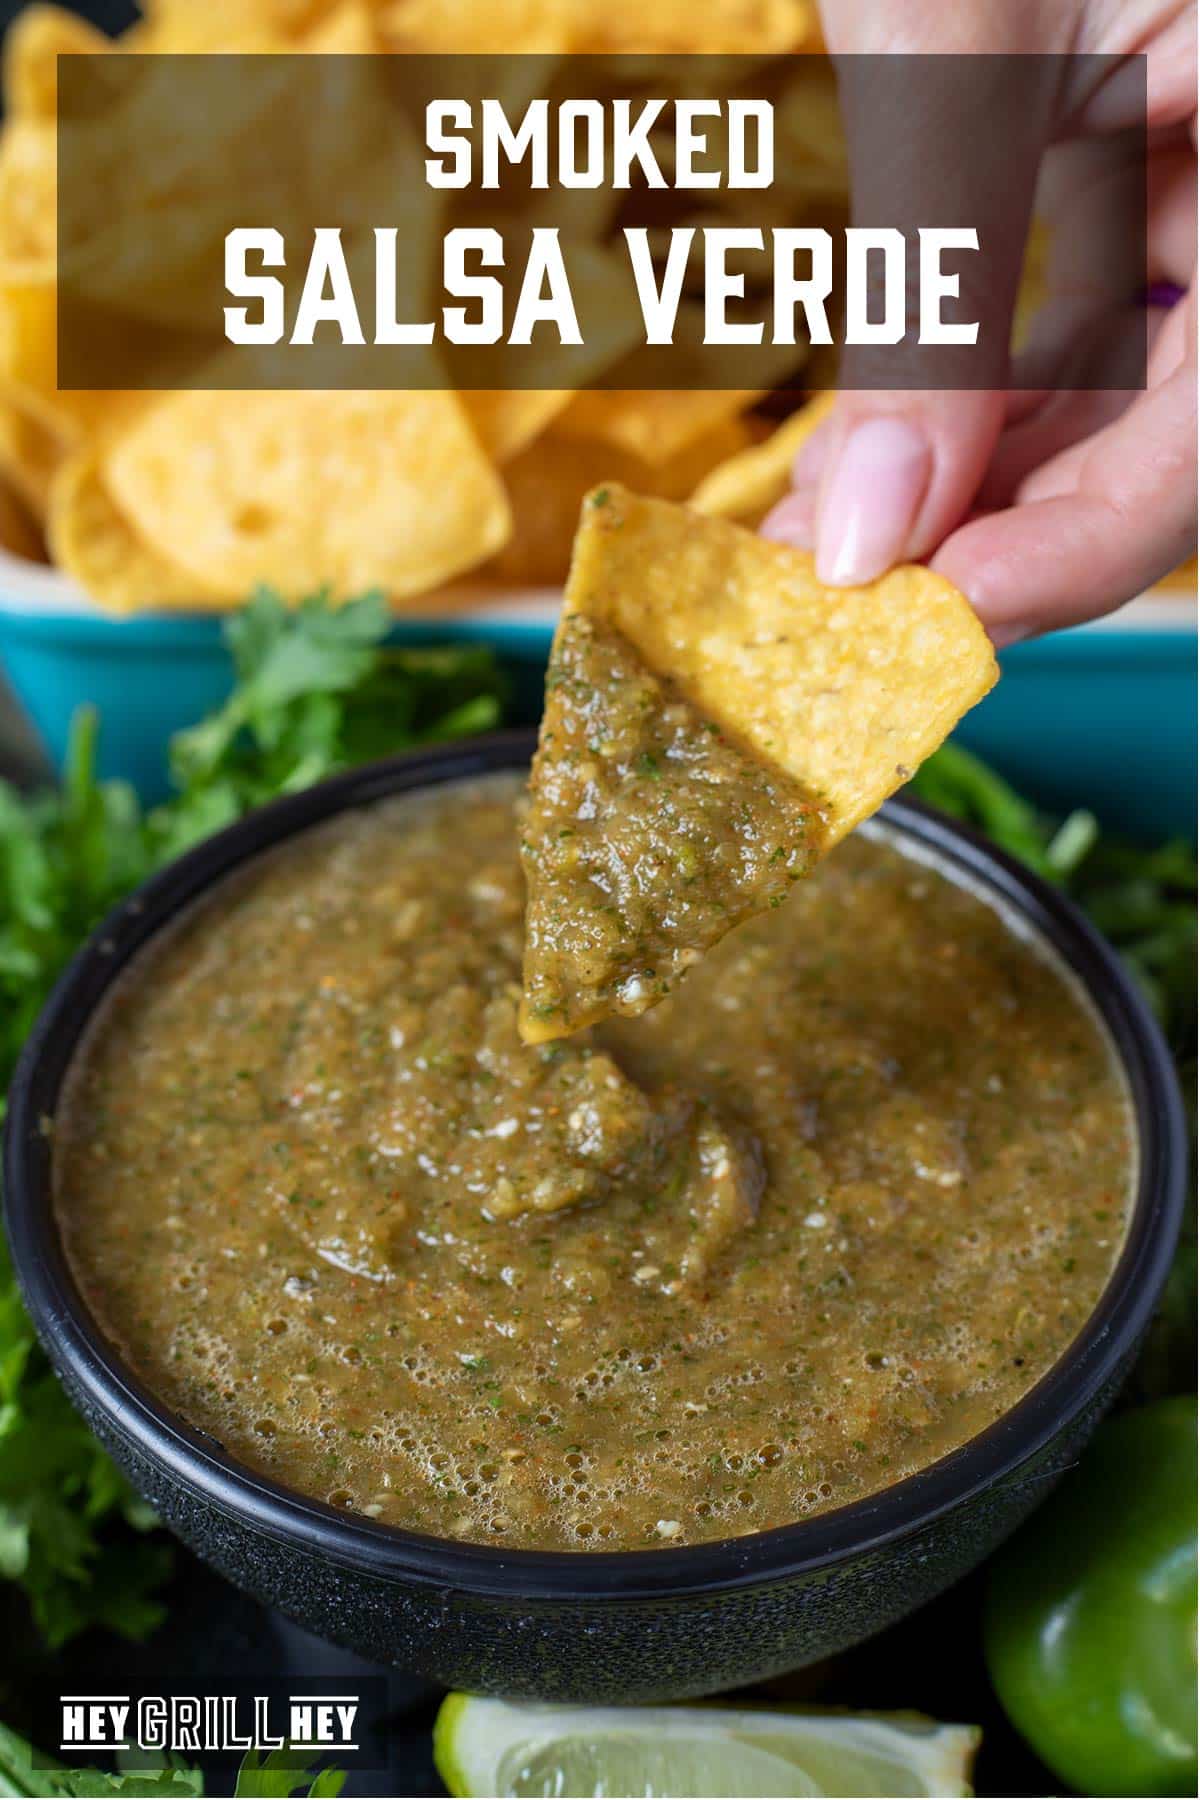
(533, 222)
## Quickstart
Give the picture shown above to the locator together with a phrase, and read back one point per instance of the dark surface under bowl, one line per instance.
(645, 1625)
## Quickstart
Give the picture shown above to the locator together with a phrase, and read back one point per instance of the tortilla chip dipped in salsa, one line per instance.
(716, 720)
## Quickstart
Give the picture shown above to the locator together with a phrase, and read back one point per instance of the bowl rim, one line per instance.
(197, 1462)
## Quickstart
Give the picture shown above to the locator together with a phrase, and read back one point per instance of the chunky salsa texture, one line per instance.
(814, 1221)
(649, 835)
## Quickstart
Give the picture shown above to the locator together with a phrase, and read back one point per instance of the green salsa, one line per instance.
(811, 1223)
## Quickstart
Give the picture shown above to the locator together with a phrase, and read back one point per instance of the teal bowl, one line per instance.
(1103, 716)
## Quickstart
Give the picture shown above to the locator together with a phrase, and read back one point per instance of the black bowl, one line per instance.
(625, 1626)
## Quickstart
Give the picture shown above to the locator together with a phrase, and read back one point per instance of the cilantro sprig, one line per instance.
(1143, 900)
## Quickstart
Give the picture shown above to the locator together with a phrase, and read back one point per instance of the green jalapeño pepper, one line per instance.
(1090, 1617)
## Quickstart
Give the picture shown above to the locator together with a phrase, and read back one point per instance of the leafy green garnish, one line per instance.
(282, 1773)
(316, 691)
(1144, 901)
(956, 782)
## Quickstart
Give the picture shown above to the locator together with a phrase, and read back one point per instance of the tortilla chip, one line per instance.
(506, 420)
(747, 486)
(348, 31)
(655, 423)
(92, 541)
(29, 333)
(19, 536)
(741, 27)
(32, 46)
(715, 720)
(28, 196)
(352, 490)
(29, 362)
(233, 154)
(32, 449)
(650, 423)
(847, 689)
(610, 322)
(178, 27)
(1180, 580)
(504, 28)
(1034, 285)
(811, 162)
(547, 481)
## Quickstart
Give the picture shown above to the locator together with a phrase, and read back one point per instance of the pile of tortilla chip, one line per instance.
(186, 498)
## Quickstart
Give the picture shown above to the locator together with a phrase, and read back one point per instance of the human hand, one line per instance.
(1046, 507)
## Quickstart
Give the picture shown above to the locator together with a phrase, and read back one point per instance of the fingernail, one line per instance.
(792, 521)
(871, 500)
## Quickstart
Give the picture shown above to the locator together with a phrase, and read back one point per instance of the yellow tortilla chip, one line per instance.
(610, 323)
(34, 41)
(546, 484)
(652, 424)
(503, 28)
(506, 420)
(29, 333)
(33, 447)
(1181, 580)
(19, 536)
(715, 721)
(1033, 287)
(847, 690)
(750, 483)
(176, 27)
(91, 540)
(810, 138)
(741, 27)
(28, 197)
(235, 154)
(352, 490)
(657, 423)
(348, 31)
(29, 362)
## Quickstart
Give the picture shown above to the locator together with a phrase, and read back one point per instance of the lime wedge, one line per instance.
(489, 1748)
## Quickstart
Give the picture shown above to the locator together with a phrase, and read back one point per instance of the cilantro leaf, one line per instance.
(282, 1773)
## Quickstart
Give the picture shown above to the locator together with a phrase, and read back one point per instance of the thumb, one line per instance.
(899, 474)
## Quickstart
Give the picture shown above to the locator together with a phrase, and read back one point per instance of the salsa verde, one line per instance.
(812, 1222)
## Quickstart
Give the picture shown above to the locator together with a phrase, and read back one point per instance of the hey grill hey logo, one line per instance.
(194, 1723)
